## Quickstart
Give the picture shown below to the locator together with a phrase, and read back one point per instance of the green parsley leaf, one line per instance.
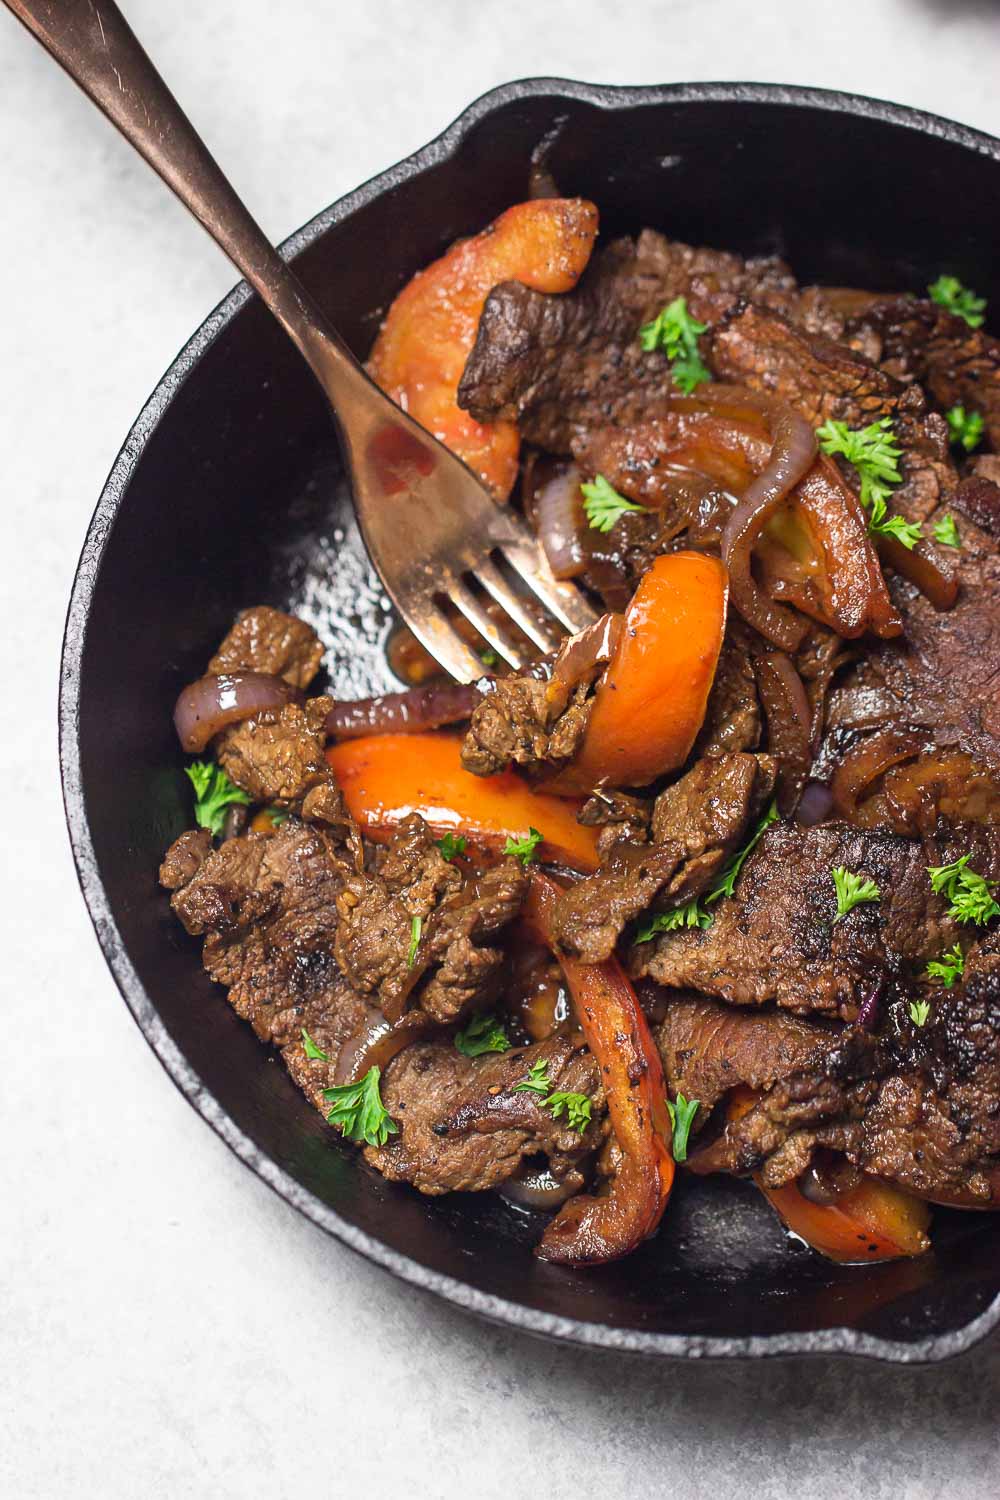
(949, 967)
(358, 1111)
(919, 1012)
(880, 523)
(682, 1112)
(488, 657)
(451, 846)
(691, 914)
(214, 793)
(603, 505)
(675, 332)
(537, 1081)
(416, 928)
(576, 1108)
(524, 849)
(727, 880)
(276, 816)
(946, 532)
(311, 1048)
(965, 427)
(483, 1034)
(872, 450)
(852, 890)
(970, 894)
(949, 292)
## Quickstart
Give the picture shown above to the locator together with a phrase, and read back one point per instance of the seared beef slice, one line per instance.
(776, 939)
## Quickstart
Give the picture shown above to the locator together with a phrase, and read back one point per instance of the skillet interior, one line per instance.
(229, 492)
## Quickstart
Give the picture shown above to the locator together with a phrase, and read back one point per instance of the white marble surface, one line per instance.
(168, 1328)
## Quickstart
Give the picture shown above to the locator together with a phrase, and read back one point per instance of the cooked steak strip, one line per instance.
(775, 939)
(515, 722)
(921, 1108)
(277, 756)
(558, 365)
(822, 379)
(697, 824)
(920, 341)
(463, 1128)
(265, 640)
(943, 674)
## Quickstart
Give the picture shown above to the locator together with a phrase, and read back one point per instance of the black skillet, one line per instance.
(228, 492)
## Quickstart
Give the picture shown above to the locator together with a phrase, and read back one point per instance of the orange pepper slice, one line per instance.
(591, 1230)
(428, 334)
(650, 703)
(385, 777)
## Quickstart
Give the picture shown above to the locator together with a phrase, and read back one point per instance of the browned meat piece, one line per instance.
(266, 906)
(265, 640)
(732, 714)
(822, 379)
(516, 722)
(987, 466)
(450, 964)
(618, 816)
(697, 824)
(559, 364)
(277, 756)
(462, 1126)
(978, 498)
(921, 1108)
(775, 939)
(920, 341)
(943, 674)
(709, 1048)
(185, 858)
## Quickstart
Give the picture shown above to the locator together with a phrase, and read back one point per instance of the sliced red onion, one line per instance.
(793, 451)
(789, 724)
(536, 1187)
(409, 712)
(377, 1041)
(870, 759)
(870, 1005)
(578, 656)
(815, 804)
(559, 519)
(207, 706)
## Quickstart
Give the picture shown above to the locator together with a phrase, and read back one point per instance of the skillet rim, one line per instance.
(834, 1341)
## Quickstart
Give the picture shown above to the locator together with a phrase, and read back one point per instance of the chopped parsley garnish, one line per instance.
(881, 523)
(416, 928)
(537, 1081)
(919, 1012)
(872, 450)
(970, 894)
(727, 880)
(213, 794)
(603, 505)
(488, 657)
(852, 890)
(675, 332)
(524, 849)
(946, 532)
(311, 1048)
(682, 1112)
(483, 1034)
(949, 967)
(949, 292)
(693, 913)
(358, 1111)
(965, 427)
(450, 846)
(276, 816)
(576, 1107)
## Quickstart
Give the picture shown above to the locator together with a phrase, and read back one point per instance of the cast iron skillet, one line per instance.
(229, 492)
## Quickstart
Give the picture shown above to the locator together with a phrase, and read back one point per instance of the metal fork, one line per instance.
(432, 530)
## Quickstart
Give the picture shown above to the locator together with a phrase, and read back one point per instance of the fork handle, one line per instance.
(94, 43)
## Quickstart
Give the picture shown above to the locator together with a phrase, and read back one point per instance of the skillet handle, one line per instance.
(94, 43)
